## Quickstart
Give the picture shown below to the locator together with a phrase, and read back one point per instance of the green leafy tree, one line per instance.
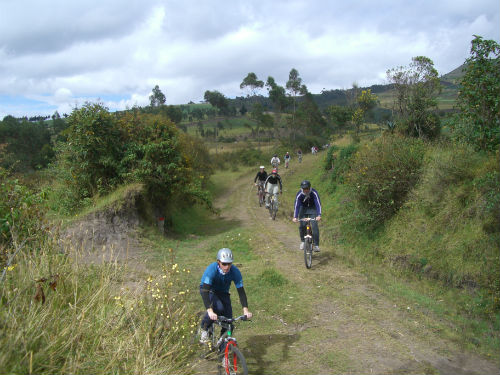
(174, 113)
(479, 96)
(309, 117)
(93, 153)
(263, 120)
(252, 83)
(157, 98)
(295, 87)
(366, 101)
(339, 115)
(417, 87)
(218, 100)
(25, 145)
(277, 95)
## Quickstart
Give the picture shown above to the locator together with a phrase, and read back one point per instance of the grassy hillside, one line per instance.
(444, 239)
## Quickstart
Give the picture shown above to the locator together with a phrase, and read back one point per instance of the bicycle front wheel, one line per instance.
(234, 363)
(308, 253)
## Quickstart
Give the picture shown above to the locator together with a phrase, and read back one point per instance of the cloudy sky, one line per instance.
(57, 54)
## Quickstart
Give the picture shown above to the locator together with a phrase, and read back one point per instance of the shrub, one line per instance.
(479, 96)
(339, 165)
(21, 214)
(382, 173)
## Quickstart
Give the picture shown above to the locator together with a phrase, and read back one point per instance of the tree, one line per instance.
(479, 96)
(252, 83)
(174, 113)
(157, 98)
(417, 87)
(93, 152)
(310, 117)
(295, 87)
(339, 115)
(217, 100)
(277, 95)
(366, 102)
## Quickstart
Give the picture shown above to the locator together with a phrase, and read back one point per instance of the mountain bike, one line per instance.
(261, 193)
(300, 158)
(273, 205)
(308, 241)
(287, 161)
(231, 360)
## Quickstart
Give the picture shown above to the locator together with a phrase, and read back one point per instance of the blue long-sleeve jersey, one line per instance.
(302, 200)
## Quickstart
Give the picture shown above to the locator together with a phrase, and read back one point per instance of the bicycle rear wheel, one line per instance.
(308, 253)
(235, 364)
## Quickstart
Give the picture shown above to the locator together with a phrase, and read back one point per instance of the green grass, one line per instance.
(427, 255)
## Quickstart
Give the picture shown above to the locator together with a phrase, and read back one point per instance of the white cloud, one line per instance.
(65, 52)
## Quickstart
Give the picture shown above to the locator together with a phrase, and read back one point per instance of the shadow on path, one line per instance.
(257, 347)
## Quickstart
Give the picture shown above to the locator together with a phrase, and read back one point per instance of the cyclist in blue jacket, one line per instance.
(307, 204)
(214, 290)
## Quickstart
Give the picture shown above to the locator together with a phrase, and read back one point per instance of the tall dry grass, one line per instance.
(61, 315)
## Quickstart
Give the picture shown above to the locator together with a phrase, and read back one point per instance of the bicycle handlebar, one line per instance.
(307, 219)
(223, 319)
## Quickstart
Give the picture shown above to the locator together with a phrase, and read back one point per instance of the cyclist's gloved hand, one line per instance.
(318, 218)
(294, 220)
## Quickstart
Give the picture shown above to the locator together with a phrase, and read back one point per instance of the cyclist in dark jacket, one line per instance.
(307, 204)
(271, 185)
(261, 175)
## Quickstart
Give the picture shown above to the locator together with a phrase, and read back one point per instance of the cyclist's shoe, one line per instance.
(267, 205)
(301, 247)
(223, 363)
(204, 337)
(316, 248)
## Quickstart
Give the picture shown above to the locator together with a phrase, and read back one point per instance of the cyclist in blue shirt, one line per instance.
(307, 204)
(214, 290)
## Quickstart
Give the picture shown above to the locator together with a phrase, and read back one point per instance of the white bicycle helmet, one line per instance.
(225, 255)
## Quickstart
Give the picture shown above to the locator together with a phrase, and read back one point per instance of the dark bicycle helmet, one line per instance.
(305, 184)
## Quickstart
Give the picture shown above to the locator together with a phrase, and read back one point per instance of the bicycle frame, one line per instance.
(273, 209)
(230, 341)
(261, 192)
(308, 241)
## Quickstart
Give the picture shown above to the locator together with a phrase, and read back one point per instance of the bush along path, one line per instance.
(328, 319)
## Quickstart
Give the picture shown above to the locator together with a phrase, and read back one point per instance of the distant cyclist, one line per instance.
(271, 185)
(299, 155)
(275, 161)
(261, 176)
(307, 204)
(214, 290)
(287, 159)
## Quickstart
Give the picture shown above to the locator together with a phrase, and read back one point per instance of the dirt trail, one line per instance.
(353, 322)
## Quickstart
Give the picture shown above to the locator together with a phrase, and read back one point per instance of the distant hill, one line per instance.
(455, 75)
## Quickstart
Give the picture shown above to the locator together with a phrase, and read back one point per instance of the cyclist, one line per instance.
(271, 185)
(287, 159)
(307, 204)
(275, 161)
(299, 155)
(261, 176)
(214, 290)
